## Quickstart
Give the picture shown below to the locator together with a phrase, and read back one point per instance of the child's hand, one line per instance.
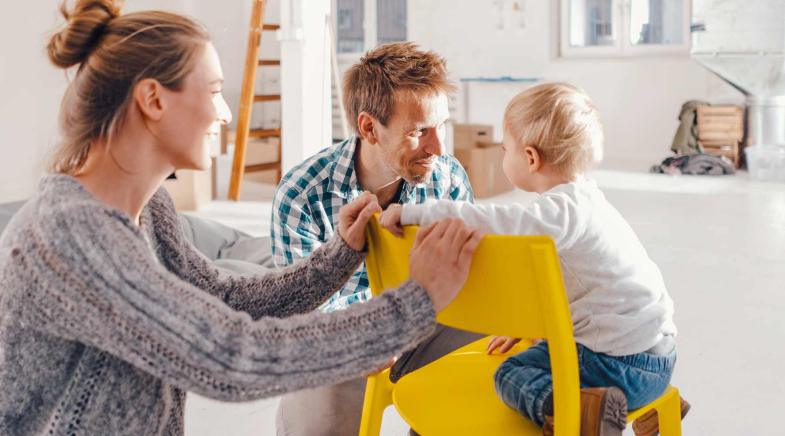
(391, 219)
(503, 343)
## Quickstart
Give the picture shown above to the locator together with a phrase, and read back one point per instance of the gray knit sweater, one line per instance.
(104, 325)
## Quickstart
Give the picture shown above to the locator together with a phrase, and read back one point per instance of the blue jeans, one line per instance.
(524, 381)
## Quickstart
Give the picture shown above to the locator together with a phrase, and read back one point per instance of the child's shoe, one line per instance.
(603, 413)
(649, 425)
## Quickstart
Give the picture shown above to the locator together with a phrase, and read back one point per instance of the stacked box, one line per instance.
(466, 136)
(481, 158)
(192, 189)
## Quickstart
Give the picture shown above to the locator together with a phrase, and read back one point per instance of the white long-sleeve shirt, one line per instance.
(617, 296)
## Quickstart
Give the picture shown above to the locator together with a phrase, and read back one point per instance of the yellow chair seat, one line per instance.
(442, 397)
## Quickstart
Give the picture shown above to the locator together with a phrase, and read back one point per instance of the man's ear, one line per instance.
(367, 130)
(148, 96)
(533, 158)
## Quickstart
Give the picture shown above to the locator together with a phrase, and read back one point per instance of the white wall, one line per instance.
(305, 79)
(31, 96)
(639, 97)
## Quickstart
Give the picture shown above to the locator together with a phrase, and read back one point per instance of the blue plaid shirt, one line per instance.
(306, 204)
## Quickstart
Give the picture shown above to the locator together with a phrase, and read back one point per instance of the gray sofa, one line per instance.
(229, 248)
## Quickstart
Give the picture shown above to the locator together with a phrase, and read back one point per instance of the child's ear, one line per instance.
(533, 158)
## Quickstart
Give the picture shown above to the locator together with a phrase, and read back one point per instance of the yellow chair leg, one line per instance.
(670, 415)
(378, 395)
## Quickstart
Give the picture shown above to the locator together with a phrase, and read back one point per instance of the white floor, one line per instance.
(720, 243)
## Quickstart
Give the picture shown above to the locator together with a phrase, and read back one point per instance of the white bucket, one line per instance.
(766, 162)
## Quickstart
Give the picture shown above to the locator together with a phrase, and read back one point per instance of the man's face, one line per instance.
(414, 136)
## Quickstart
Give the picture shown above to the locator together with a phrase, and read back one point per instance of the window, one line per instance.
(657, 22)
(624, 27)
(387, 18)
(349, 26)
(390, 21)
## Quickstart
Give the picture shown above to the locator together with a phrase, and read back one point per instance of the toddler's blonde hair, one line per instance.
(560, 122)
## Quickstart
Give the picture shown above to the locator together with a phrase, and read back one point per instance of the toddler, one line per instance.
(622, 314)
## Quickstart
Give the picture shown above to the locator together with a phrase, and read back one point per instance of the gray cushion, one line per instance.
(229, 248)
(8, 210)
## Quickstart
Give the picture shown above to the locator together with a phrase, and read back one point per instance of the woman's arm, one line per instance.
(297, 288)
(89, 276)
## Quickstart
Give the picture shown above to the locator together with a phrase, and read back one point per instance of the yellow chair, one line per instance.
(514, 289)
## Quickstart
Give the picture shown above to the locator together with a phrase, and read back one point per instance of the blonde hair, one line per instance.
(114, 52)
(560, 122)
(372, 84)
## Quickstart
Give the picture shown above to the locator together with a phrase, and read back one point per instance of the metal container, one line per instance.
(743, 43)
(766, 120)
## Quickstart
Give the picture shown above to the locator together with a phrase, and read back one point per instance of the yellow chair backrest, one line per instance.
(514, 288)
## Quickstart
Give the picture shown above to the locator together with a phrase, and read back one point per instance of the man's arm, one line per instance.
(292, 231)
(295, 235)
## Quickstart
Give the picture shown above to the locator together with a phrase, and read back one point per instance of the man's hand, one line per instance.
(353, 217)
(503, 343)
(391, 219)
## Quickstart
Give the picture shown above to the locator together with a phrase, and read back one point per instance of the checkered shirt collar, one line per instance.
(343, 178)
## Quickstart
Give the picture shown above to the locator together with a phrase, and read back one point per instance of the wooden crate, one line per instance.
(717, 123)
(721, 130)
(727, 148)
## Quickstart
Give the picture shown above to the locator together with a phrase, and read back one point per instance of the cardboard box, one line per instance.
(191, 190)
(466, 136)
(259, 151)
(484, 167)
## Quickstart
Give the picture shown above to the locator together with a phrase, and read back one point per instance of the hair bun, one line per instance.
(85, 25)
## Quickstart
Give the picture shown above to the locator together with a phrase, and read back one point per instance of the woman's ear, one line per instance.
(533, 158)
(367, 130)
(148, 96)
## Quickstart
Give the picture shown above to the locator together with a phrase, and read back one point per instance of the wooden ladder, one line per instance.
(248, 97)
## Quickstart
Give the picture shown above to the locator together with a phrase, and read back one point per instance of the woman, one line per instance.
(108, 316)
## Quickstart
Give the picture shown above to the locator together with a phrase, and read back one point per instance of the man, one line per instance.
(396, 100)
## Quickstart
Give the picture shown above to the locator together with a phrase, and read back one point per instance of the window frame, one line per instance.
(370, 29)
(622, 47)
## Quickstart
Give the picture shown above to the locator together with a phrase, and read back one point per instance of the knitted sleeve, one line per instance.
(298, 288)
(87, 274)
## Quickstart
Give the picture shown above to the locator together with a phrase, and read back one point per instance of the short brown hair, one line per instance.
(371, 84)
(560, 122)
(114, 52)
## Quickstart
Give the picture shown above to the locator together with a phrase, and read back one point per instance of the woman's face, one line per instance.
(192, 117)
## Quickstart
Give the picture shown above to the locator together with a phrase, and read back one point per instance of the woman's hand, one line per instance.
(353, 217)
(391, 219)
(503, 343)
(441, 257)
